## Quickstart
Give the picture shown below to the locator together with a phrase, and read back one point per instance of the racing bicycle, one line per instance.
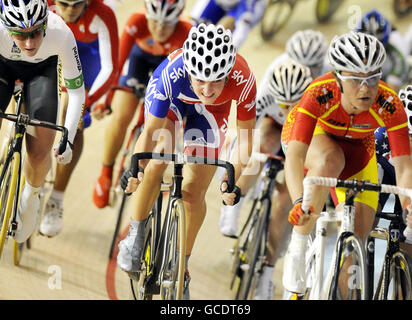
(249, 250)
(11, 176)
(163, 255)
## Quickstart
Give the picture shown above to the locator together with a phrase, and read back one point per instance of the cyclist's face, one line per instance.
(161, 31)
(29, 40)
(207, 91)
(70, 10)
(358, 95)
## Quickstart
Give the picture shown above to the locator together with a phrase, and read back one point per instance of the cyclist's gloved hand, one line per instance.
(231, 198)
(67, 155)
(129, 182)
(296, 215)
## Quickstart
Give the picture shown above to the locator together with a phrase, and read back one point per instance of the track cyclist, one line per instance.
(94, 26)
(149, 36)
(395, 68)
(284, 88)
(239, 16)
(330, 133)
(197, 82)
(36, 46)
(386, 169)
(306, 47)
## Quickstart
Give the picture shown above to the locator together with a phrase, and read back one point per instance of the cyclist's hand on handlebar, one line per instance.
(129, 183)
(231, 198)
(100, 111)
(408, 220)
(67, 155)
(296, 216)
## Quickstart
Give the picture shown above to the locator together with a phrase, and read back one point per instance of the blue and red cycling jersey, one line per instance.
(169, 94)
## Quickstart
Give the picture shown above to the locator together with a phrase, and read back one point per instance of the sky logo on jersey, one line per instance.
(176, 74)
(238, 76)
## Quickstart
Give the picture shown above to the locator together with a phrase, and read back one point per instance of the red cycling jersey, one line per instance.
(321, 105)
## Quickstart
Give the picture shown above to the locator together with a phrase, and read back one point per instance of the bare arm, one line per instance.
(294, 168)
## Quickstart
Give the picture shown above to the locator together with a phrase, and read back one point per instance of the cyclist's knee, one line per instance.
(330, 164)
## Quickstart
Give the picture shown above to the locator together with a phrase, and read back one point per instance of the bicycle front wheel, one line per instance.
(326, 8)
(8, 186)
(255, 253)
(172, 278)
(398, 283)
(276, 15)
(349, 281)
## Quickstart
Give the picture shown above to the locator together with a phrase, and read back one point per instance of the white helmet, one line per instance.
(208, 52)
(21, 14)
(356, 52)
(164, 10)
(406, 96)
(289, 81)
(307, 47)
(227, 4)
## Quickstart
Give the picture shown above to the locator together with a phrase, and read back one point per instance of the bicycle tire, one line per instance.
(276, 16)
(18, 248)
(325, 9)
(399, 274)
(8, 187)
(401, 10)
(172, 280)
(255, 252)
(144, 289)
(350, 246)
(138, 283)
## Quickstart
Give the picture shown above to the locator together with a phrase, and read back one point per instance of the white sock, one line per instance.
(57, 196)
(29, 193)
(299, 241)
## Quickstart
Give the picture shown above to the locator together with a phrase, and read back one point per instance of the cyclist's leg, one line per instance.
(37, 161)
(246, 15)
(146, 194)
(324, 158)
(6, 86)
(124, 105)
(269, 131)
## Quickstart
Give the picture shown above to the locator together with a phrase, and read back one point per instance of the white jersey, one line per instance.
(59, 40)
(265, 101)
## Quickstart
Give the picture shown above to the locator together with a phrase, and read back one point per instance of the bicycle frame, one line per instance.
(392, 237)
(347, 227)
(175, 208)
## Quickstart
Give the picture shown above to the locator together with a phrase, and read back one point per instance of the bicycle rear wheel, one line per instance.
(172, 278)
(398, 285)
(352, 284)
(255, 253)
(276, 15)
(326, 8)
(8, 185)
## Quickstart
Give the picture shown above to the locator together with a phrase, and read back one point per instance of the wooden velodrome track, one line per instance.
(75, 264)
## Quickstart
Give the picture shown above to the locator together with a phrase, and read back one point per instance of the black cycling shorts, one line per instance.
(40, 86)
